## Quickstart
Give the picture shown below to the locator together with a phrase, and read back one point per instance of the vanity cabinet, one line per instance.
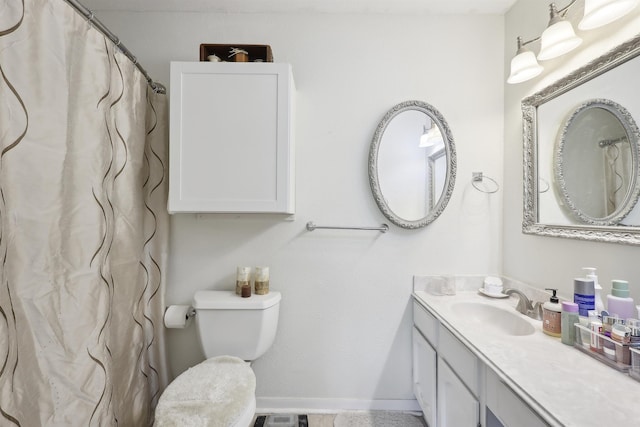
(454, 388)
(446, 375)
(231, 138)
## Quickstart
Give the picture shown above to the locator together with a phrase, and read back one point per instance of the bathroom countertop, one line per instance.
(565, 386)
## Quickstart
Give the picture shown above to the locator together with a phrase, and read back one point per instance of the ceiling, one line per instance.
(303, 6)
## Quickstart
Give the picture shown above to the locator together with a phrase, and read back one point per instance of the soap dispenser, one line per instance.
(591, 275)
(552, 315)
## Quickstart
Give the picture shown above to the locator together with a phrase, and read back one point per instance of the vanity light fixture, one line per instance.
(559, 37)
(430, 137)
(601, 12)
(524, 65)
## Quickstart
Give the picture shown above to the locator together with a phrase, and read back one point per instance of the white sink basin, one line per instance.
(508, 322)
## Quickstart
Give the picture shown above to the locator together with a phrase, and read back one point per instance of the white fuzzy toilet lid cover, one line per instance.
(213, 393)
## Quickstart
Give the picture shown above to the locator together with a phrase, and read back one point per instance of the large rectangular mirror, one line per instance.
(581, 142)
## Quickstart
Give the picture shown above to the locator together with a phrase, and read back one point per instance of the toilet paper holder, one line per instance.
(178, 316)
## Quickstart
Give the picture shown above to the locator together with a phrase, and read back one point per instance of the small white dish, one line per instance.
(491, 295)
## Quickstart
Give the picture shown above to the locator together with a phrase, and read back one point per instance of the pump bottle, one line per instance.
(552, 316)
(591, 275)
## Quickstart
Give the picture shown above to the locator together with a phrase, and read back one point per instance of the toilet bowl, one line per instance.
(217, 392)
(220, 392)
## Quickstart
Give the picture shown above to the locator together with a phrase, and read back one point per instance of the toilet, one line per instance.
(220, 391)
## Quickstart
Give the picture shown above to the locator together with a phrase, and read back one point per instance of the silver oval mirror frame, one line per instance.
(596, 163)
(430, 186)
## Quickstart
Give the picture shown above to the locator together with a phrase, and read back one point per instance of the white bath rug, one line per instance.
(377, 419)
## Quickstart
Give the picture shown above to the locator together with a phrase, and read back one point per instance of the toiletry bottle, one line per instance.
(568, 319)
(551, 316)
(619, 301)
(584, 295)
(596, 332)
(591, 275)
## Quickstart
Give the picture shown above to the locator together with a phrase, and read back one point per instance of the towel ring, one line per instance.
(479, 177)
(545, 188)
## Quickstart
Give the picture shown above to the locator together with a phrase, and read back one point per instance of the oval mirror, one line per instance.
(596, 163)
(412, 164)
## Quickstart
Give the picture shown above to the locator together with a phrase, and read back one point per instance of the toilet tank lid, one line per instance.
(229, 300)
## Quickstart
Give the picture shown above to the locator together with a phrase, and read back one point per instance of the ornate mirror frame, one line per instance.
(530, 223)
(631, 135)
(449, 145)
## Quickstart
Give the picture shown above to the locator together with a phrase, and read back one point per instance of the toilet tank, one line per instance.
(228, 324)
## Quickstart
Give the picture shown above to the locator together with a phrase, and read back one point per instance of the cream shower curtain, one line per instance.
(83, 225)
(617, 172)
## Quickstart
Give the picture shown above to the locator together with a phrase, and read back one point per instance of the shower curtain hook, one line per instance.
(116, 43)
(90, 18)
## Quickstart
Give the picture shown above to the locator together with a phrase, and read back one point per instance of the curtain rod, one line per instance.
(88, 14)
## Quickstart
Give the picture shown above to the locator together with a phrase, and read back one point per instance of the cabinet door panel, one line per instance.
(424, 377)
(508, 408)
(220, 158)
(457, 407)
(231, 138)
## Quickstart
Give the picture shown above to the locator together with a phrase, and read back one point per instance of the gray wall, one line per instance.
(343, 339)
(345, 322)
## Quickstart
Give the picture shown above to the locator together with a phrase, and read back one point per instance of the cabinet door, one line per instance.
(507, 409)
(424, 377)
(457, 407)
(231, 137)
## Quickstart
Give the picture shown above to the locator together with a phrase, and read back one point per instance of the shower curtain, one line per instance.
(617, 171)
(83, 225)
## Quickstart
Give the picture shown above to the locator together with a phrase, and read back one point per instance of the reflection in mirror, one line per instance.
(581, 152)
(596, 163)
(412, 164)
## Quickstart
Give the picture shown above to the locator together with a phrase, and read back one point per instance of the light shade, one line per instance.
(559, 37)
(524, 66)
(601, 12)
(431, 137)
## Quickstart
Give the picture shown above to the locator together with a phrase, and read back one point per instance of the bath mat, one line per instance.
(279, 420)
(377, 419)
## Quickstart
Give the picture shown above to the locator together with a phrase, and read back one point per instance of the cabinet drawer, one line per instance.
(426, 323)
(460, 358)
(507, 406)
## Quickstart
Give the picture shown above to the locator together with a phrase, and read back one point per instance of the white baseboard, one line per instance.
(275, 405)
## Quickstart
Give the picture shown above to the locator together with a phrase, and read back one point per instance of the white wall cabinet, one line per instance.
(231, 138)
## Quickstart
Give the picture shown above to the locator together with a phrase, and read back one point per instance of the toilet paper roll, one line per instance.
(178, 316)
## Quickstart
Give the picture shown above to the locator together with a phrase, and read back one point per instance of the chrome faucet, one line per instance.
(525, 305)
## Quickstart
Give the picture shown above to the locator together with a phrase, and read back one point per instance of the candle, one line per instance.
(262, 280)
(243, 278)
